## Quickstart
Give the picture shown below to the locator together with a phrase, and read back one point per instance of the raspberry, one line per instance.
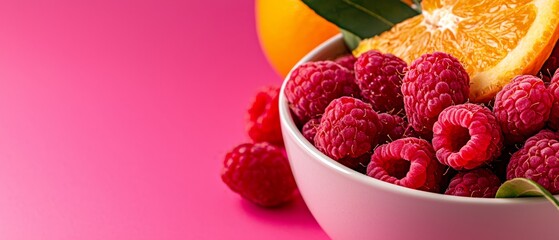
(553, 88)
(552, 63)
(313, 85)
(522, 108)
(309, 129)
(347, 61)
(393, 127)
(538, 160)
(466, 136)
(348, 129)
(263, 123)
(432, 83)
(481, 183)
(408, 162)
(379, 76)
(260, 173)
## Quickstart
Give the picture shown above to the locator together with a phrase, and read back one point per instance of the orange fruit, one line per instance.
(494, 39)
(288, 30)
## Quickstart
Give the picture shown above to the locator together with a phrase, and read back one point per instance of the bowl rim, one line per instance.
(287, 121)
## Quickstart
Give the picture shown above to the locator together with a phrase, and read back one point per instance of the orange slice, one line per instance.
(494, 39)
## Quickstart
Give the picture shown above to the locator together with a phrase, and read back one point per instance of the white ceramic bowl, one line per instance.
(350, 205)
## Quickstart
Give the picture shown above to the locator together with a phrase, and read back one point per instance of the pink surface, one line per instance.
(115, 116)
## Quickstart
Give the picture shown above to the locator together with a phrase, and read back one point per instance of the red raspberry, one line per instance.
(393, 127)
(481, 183)
(347, 61)
(260, 173)
(348, 129)
(551, 64)
(466, 136)
(263, 124)
(310, 128)
(522, 107)
(408, 162)
(313, 85)
(432, 83)
(538, 160)
(379, 76)
(553, 88)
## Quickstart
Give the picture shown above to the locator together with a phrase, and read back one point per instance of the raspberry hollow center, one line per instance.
(398, 168)
(460, 136)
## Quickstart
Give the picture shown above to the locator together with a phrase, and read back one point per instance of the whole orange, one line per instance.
(289, 29)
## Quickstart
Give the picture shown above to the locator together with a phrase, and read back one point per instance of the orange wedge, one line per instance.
(494, 39)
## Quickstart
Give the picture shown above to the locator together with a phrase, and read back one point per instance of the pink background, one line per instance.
(115, 116)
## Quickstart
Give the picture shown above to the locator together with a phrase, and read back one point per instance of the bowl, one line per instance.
(351, 205)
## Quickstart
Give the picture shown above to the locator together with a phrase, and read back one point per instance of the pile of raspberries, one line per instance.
(413, 125)
(409, 125)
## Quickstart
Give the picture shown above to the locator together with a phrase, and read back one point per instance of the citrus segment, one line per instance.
(495, 40)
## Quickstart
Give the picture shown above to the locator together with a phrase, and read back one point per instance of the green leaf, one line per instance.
(364, 18)
(351, 40)
(522, 187)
